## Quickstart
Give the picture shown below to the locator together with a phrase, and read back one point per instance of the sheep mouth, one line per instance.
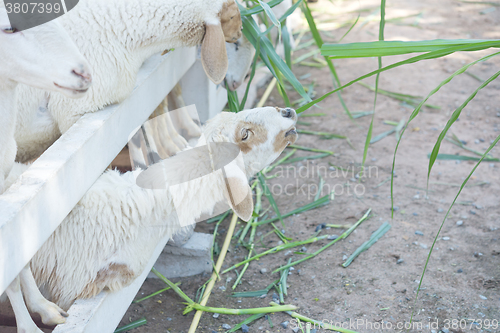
(73, 90)
(292, 131)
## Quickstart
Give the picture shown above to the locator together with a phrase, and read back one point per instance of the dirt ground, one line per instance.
(376, 293)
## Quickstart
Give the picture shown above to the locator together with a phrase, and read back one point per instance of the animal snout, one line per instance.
(288, 113)
(84, 74)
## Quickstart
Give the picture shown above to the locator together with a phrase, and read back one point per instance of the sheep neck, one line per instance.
(146, 27)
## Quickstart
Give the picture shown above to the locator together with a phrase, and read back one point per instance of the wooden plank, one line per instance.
(38, 202)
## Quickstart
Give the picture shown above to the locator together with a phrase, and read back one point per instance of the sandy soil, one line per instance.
(378, 289)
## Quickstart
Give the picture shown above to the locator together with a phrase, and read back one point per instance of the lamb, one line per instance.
(46, 58)
(107, 239)
(116, 37)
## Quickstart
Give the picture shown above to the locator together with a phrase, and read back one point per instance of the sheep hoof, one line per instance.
(53, 315)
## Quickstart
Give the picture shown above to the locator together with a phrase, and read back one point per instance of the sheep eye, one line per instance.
(10, 30)
(245, 135)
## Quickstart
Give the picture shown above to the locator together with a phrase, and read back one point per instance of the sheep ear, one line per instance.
(213, 53)
(239, 196)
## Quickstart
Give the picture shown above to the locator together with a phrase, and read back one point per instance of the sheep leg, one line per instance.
(51, 314)
(25, 323)
(176, 138)
(162, 131)
(182, 117)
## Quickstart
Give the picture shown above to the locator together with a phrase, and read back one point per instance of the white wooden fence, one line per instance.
(39, 201)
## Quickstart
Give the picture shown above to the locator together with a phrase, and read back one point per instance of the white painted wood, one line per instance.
(33, 207)
(197, 89)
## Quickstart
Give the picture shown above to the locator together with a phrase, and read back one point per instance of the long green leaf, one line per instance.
(417, 110)
(426, 56)
(452, 119)
(462, 158)
(270, 57)
(446, 216)
(390, 48)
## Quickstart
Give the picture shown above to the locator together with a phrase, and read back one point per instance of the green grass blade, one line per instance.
(315, 204)
(154, 294)
(389, 48)
(343, 236)
(252, 75)
(270, 197)
(314, 157)
(417, 110)
(257, 8)
(462, 158)
(132, 325)
(254, 293)
(370, 128)
(446, 216)
(270, 57)
(173, 286)
(452, 119)
(366, 245)
(247, 321)
(232, 101)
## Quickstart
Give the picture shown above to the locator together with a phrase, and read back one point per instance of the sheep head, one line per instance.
(230, 20)
(261, 134)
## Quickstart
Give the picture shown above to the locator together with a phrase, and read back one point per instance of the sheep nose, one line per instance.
(287, 113)
(84, 74)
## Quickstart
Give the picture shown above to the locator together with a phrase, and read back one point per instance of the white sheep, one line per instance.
(107, 239)
(46, 58)
(116, 37)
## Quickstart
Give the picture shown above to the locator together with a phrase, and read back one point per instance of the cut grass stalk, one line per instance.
(325, 135)
(287, 156)
(366, 245)
(275, 249)
(270, 197)
(359, 114)
(409, 99)
(154, 294)
(311, 149)
(462, 158)
(314, 157)
(268, 309)
(320, 324)
(454, 139)
(247, 321)
(315, 204)
(343, 236)
(254, 293)
(339, 226)
(313, 115)
(266, 94)
(320, 188)
(132, 325)
(220, 261)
